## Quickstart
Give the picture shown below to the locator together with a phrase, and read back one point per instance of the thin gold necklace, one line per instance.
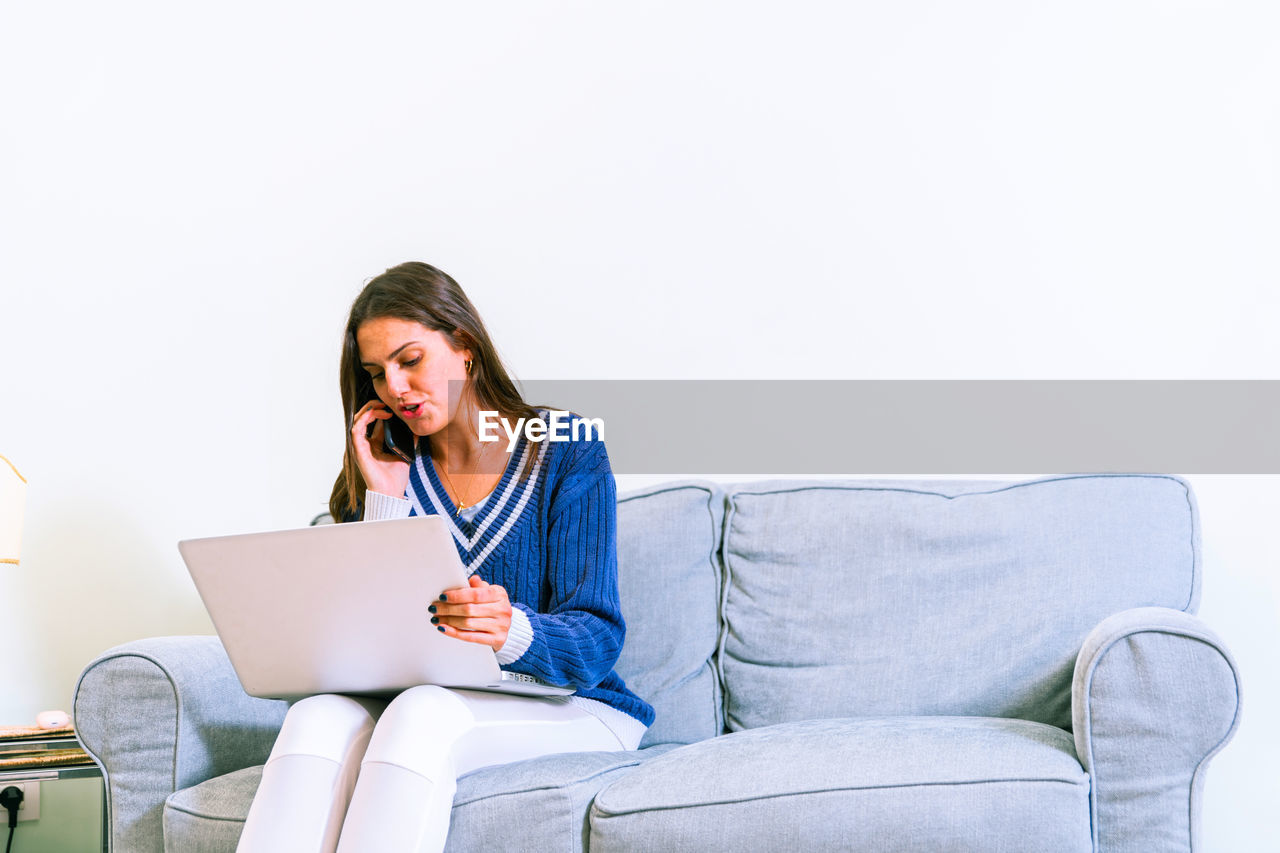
(461, 498)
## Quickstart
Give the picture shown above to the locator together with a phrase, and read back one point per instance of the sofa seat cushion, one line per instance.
(891, 783)
(539, 804)
(208, 818)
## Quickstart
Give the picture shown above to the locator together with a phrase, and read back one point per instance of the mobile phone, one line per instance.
(397, 438)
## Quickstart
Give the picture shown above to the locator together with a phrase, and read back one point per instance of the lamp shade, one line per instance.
(13, 496)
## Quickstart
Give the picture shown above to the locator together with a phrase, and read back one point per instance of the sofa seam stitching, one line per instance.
(660, 490)
(109, 805)
(726, 581)
(1235, 722)
(1005, 488)
(717, 574)
(188, 811)
(1195, 563)
(551, 786)
(886, 787)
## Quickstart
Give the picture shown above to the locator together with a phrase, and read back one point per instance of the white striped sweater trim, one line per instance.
(519, 638)
(380, 507)
(422, 481)
(424, 477)
(515, 512)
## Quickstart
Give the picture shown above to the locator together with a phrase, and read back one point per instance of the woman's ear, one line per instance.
(462, 344)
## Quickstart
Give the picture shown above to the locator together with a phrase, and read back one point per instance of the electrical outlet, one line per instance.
(29, 808)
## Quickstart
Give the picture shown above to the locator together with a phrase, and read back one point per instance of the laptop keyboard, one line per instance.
(519, 676)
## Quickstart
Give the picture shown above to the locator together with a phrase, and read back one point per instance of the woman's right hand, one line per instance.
(383, 472)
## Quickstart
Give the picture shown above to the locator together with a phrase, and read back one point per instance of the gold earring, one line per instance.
(468, 366)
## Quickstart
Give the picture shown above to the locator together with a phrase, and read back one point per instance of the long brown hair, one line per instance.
(419, 293)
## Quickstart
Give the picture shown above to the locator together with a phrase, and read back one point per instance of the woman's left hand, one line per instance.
(478, 613)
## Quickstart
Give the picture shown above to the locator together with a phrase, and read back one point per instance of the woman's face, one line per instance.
(411, 367)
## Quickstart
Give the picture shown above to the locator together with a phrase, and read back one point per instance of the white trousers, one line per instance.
(362, 776)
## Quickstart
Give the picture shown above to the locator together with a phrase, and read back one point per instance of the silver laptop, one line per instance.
(342, 608)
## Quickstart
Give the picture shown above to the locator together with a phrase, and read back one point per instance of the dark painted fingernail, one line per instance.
(435, 620)
(431, 609)
(444, 597)
(440, 628)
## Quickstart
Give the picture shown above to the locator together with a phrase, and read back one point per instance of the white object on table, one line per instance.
(53, 719)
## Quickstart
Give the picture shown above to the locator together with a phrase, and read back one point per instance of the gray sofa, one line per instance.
(836, 665)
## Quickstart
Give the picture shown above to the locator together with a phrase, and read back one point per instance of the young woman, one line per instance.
(535, 527)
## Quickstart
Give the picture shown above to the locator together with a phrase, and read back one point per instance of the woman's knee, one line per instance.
(419, 728)
(326, 726)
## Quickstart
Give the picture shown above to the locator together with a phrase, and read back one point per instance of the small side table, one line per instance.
(81, 770)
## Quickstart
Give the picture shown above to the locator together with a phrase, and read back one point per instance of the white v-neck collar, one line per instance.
(511, 492)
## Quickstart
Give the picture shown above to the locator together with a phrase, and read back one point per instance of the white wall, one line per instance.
(191, 198)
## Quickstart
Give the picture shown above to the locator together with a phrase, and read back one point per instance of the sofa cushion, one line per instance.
(927, 783)
(209, 817)
(539, 804)
(542, 802)
(898, 597)
(669, 583)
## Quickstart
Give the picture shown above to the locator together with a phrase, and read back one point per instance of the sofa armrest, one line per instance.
(160, 715)
(1155, 695)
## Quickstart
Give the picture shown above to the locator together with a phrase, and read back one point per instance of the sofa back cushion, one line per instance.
(669, 582)
(938, 597)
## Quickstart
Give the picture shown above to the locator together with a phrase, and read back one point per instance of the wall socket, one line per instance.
(29, 809)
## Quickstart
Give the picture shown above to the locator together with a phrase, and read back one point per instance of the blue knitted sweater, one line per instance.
(550, 540)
